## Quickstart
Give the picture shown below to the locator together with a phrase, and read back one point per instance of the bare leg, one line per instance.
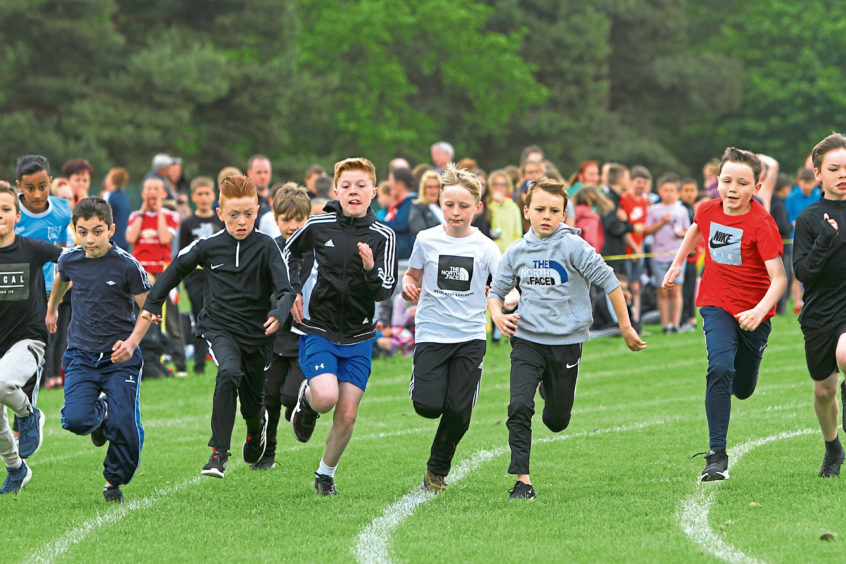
(825, 404)
(343, 421)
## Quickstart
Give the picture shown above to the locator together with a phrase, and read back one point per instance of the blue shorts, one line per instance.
(349, 363)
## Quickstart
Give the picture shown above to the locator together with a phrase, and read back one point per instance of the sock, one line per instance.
(326, 470)
(833, 446)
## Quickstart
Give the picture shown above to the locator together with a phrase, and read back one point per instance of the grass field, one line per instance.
(618, 485)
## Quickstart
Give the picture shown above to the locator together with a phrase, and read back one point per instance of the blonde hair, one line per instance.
(226, 172)
(454, 176)
(548, 185)
(429, 174)
(237, 187)
(501, 173)
(354, 163)
(291, 201)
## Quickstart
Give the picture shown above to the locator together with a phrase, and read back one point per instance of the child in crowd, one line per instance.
(635, 203)
(102, 368)
(447, 276)
(742, 281)
(668, 221)
(204, 222)
(113, 193)
(244, 267)
(506, 220)
(590, 205)
(555, 268)
(79, 173)
(23, 338)
(819, 260)
(150, 232)
(688, 194)
(282, 379)
(356, 266)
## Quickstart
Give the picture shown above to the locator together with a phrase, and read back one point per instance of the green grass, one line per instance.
(611, 488)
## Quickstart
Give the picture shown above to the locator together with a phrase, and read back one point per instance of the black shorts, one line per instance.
(446, 369)
(820, 348)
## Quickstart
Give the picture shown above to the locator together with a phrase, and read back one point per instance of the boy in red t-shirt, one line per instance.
(635, 203)
(742, 282)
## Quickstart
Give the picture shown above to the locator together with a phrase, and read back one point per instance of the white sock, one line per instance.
(326, 470)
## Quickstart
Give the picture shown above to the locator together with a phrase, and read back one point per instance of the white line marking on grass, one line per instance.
(693, 515)
(53, 550)
(372, 545)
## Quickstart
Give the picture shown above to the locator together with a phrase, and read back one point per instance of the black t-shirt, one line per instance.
(23, 298)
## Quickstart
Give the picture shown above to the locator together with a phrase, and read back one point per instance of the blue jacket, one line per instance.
(405, 238)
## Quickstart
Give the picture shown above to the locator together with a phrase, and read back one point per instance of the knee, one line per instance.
(77, 421)
(556, 422)
(7, 389)
(743, 394)
(344, 420)
(322, 400)
(427, 411)
(520, 410)
(823, 393)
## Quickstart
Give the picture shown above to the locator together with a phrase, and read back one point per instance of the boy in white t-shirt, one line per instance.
(447, 276)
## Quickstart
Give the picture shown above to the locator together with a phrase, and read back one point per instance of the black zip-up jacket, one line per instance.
(339, 297)
(286, 342)
(241, 277)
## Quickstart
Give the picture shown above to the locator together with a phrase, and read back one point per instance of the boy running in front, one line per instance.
(355, 266)
(743, 280)
(819, 261)
(102, 372)
(447, 276)
(555, 268)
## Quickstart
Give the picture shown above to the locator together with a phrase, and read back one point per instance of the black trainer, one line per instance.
(255, 444)
(324, 485)
(98, 436)
(268, 461)
(303, 418)
(113, 494)
(716, 466)
(433, 482)
(831, 465)
(216, 466)
(522, 490)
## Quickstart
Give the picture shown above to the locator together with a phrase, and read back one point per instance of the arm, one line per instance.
(612, 225)
(691, 239)
(618, 301)
(751, 318)
(502, 284)
(411, 284)
(810, 252)
(60, 287)
(657, 225)
(768, 180)
(505, 322)
(283, 293)
(163, 229)
(184, 263)
(123, 350)
(133, 230)
(380, 266)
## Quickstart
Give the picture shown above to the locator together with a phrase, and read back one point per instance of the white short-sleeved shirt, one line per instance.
(452, 301)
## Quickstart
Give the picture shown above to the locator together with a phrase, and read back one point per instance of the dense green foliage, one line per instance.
(666, 83)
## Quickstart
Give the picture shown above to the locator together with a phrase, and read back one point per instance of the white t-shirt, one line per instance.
(452, 301)
(267, 225)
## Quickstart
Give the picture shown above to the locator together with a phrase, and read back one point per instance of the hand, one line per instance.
(507, 323)
(671, 275)
(271, 325)
(830, 221)
(633, 340)
(297, 309)
(666, 219)
(749, 319)
(638, 228)
(123, 350)
(51, 319)
(410, 293)
(151, 317)
(366, 254)
(621, 215)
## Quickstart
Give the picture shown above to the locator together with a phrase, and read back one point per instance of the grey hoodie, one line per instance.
(554, 275)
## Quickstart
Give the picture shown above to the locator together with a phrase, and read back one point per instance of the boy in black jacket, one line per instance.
(244, 268)
(355, 267)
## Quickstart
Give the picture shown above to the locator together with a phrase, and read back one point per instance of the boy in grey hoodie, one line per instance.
(554, 268)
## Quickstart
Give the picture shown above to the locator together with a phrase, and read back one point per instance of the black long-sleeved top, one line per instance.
(339, 296)
(241, 277)
(819, 261)
(614, 228)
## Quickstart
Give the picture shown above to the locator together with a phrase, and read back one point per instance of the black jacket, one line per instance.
(241, 277)
(339, 297)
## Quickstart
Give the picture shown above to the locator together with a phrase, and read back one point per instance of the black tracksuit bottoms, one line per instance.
(240, 375)
(556, 368)
(445, 380)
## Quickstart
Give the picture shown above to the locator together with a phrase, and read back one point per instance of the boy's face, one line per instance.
(545, 213)
(384, 199)
(459, 207)
(355, 191)
(290, 225)
(688, 193)
(832, 174)
(35, 187)
(9, 215)
(736, 185)
(153, 194)
(79, 183)
(640, 186)
(668, 193)
(93, 234)
(203, 197)
(239, 216)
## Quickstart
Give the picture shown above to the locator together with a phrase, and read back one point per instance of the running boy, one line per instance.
(243, 268)
(743, 280)
(555, 267)
(101, 386)
(819, 261)
(282, 379)
(23, 337)
(355, 267)
(447, 276)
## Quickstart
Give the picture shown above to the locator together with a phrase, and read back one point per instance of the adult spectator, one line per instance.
(532, 153)
(312, 173)
(396, 163)
(402, 186)
(442, 153)
(587, 173)
(425, 211)
(181, 188)
(160, 168)
(260, 172)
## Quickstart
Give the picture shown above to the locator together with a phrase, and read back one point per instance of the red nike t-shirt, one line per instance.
(735, 276)
(153, 255)
(635, 207)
